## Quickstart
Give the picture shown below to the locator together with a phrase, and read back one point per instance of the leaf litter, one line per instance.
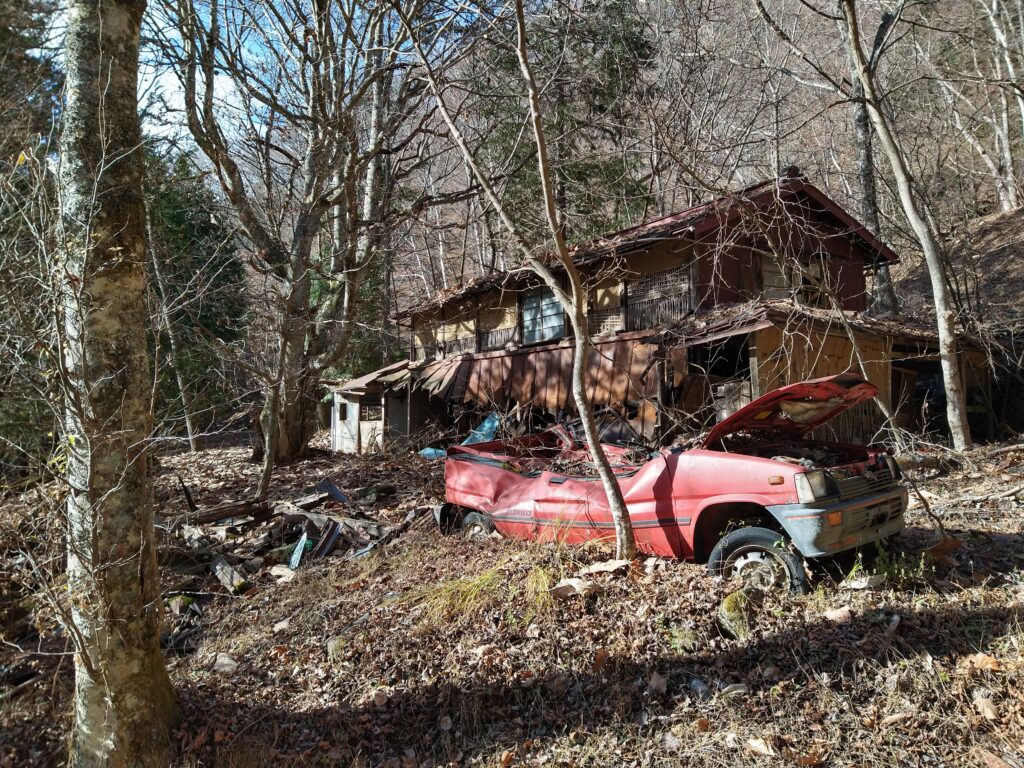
(430, 650)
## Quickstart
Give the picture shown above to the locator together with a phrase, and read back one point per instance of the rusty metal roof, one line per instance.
(372, 380)
(693, 222)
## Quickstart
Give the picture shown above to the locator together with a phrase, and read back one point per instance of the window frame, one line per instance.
(547, 298)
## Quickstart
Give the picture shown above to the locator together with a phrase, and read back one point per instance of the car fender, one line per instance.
(734, 498)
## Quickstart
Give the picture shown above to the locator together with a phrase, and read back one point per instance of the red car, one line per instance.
(750, 499)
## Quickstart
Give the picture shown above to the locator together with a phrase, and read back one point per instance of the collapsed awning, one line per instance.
(376, 380)
(620, 373)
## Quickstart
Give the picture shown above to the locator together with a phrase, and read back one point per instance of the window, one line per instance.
(370, 412)
(543, 318)
(812, 282)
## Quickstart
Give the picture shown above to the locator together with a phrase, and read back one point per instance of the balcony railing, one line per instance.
(496, 339)
(649, 313)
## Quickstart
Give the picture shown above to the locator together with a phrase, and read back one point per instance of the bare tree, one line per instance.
(574, 299)
(921, 220)
(124, 703)
(307, 119)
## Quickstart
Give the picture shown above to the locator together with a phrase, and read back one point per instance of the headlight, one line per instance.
(812, 486)
(893, 465)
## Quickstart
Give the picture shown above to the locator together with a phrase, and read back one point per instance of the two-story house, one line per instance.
(692, 315)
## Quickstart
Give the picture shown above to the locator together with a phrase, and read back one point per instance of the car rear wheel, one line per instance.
(476, 526)
(761, 558)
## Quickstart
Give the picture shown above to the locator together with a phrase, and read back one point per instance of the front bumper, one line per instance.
(822, 529)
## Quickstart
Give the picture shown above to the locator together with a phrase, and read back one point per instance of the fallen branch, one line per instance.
(994, 496)
(1005, 449)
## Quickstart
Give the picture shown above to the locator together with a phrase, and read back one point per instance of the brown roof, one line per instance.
(692, 222)
(725, 320)
(372, 380)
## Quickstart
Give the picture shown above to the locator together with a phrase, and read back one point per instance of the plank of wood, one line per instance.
(311, 500)
(224, 511)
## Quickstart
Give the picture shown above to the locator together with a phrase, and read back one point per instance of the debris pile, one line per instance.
(232, 547)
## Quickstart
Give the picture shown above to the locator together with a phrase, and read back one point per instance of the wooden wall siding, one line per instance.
(496, 339)
(804, 352)
(459, 345)
(808, 353)
(860, 424)
(846, 280)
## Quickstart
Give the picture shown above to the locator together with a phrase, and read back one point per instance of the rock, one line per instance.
(179, 603)
(737, 611)
(567, 588)
(336, 649)
(684, 639)
(283, 573)
(224, 664)
(839, 615)
(736, 689)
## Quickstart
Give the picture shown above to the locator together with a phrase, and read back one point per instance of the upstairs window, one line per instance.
(813, 290)
(543, 318)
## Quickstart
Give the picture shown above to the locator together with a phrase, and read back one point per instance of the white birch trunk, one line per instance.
(919, 220)
(123, 700)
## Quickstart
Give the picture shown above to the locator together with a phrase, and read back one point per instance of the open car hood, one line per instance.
(796, 408)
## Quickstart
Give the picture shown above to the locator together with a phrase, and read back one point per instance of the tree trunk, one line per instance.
(919, 220)
(195, 442)
(575, 304)
(124, 704)
(883, 299)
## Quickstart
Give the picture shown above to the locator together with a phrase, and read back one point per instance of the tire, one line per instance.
(762, 558)
(476, 526)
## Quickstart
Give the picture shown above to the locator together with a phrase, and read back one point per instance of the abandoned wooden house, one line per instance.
(693, 314)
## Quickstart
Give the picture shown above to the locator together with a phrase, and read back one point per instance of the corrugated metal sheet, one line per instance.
(372, 380)
(620, 372)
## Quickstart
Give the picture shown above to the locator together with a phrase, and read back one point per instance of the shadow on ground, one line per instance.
(427, 724)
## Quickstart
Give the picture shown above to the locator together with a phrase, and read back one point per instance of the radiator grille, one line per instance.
(874, 515)
(855, 486)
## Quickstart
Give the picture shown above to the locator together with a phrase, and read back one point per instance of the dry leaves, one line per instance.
(986, 708)
(657, 684)
(761, 747)
(985, 662)
(991, 760)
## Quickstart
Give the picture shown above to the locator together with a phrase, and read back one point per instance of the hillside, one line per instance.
(432, 650)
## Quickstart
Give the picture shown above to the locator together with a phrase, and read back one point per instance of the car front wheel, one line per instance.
(760, 558)
(476, 526)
